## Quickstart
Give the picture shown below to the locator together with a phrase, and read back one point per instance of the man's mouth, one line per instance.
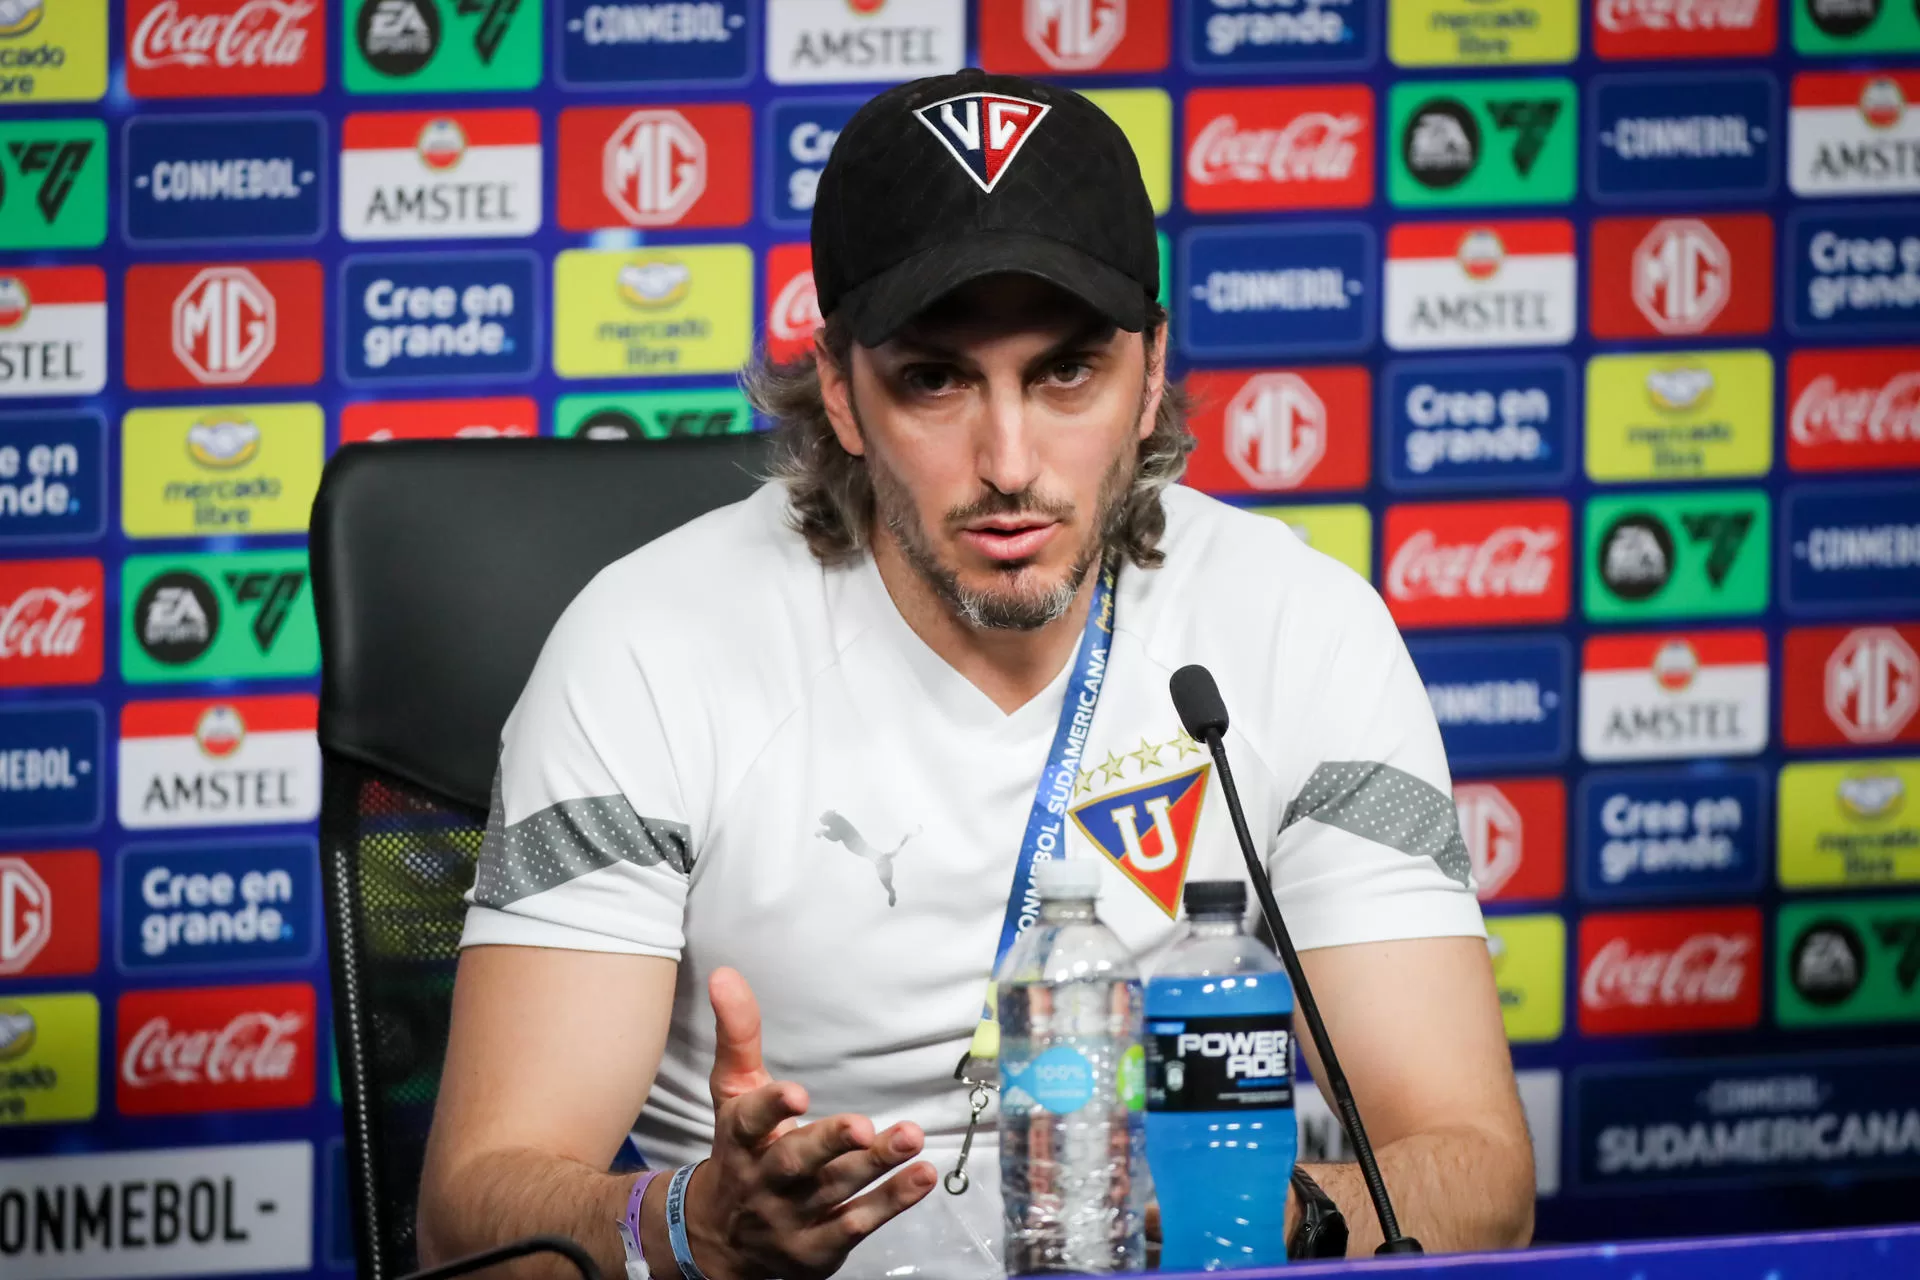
(1009, 538)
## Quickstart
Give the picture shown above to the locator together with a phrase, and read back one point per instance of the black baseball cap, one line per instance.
(940, 181)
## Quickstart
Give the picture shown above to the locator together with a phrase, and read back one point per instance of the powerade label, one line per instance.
(1852, 548)
(1854, 273)
(1746, 1121)
(1702, 136)
(1261, 292)
(440, 316)
(1220, 1064)
(1665, 835)
(1499, 703)
(1476, 424)
(226, 178)
(801, 137)
(1257, 35)
(53, 479)
(617, 42)
(49, 767)
(217, 903)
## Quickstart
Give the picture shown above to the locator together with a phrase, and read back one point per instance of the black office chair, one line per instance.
(438, 569)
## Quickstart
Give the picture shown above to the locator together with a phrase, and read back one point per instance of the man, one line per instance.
(781, 763)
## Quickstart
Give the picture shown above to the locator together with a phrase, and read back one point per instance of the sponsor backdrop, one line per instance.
(1589, 330)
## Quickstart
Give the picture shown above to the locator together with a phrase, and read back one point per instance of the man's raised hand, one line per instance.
(778, 1197)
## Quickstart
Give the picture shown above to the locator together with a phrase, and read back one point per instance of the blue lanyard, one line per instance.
(1046, 821)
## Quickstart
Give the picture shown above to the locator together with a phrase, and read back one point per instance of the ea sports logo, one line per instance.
(441, 144)
(1494, 834)
(1881, 103)
(1074, 35)
(26, 914)
(223, 325)
(1276, 430)
(1682, 276)
(1481, 253)
(220, 731)
(1872, 685)
(15, 302)
(654, 167)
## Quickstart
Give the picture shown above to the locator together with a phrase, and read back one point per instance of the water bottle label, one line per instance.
(1130, 1079)
(1220, 1064)
(1059, 1080)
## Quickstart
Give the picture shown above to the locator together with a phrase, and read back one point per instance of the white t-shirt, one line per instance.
(729, 755)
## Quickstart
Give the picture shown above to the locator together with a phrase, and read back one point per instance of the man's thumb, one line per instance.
(737, 1067)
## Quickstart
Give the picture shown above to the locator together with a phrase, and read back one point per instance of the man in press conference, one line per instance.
(761, 802)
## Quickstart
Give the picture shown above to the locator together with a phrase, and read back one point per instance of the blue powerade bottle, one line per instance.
(1220, 1129)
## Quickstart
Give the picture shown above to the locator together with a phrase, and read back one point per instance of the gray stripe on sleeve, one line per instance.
(565, 841)
(1383, 804)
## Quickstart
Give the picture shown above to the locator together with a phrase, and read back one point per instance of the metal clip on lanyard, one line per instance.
(1046, 829)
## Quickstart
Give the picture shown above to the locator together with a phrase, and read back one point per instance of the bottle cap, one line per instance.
(1067, 878)
(1216, 897)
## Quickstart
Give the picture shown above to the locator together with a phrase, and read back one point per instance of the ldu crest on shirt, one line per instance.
(1147, 828)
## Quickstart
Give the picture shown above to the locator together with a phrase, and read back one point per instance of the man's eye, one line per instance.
(1069, 373)
(928, 379)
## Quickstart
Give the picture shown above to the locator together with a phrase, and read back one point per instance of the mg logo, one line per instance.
(1493, 832)
(223, 325)
(26, 915)
(1075, 35)
(1681, 276)
(1873, 685)
(1276, 430)
(654, 168)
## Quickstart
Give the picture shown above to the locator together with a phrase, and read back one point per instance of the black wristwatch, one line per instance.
(1322, 1232)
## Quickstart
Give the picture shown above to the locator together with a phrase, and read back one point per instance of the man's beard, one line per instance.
(1012, 607)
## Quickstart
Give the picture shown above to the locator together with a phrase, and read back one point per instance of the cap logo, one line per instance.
(983, 131)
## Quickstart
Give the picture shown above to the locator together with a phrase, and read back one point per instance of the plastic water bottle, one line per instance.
(1220, 1126)
(1073, 1166)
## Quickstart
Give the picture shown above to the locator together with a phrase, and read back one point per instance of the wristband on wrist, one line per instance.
(677, 1222)
(629, 1225)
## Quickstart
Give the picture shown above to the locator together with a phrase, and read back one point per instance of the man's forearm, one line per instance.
(502, 1196)
(1452, 1190)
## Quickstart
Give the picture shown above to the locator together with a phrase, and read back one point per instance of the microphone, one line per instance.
(1204, 714)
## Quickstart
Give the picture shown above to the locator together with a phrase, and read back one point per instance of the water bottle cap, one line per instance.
(1067, 878)
(1216, 897)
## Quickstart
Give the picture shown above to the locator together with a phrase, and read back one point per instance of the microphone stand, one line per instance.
(1208, 722)
(566, 1248)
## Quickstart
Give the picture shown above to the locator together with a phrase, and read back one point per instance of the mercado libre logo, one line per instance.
(652, 313)
(1482, 33)
(1477, 142)
(49, 1047)
(228, 469)
(53, 184)
(235, 614)
(433, 46)
(54, 51)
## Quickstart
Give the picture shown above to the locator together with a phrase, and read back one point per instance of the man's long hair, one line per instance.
(830, 493)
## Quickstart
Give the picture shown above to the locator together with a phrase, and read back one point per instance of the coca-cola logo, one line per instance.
(1676, 15)
(1825, 412)
(1315, 146)
(44, 622)
(254, 1046)
(796, 310)
(1704, 969)
(257, 34)
(1513, 560)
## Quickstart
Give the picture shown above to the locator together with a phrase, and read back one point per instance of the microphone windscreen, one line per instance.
(1197, 699)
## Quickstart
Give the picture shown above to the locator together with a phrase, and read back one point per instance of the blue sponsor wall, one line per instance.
(125, 152)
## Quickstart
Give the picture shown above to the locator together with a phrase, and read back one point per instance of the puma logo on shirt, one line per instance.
(837, 829)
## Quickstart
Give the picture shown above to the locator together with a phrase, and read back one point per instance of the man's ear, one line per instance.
(836, 395)
(1156, 352)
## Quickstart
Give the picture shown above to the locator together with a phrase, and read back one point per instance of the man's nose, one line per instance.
(1006, 457)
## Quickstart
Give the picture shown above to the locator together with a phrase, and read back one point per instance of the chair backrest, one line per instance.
(438, 569)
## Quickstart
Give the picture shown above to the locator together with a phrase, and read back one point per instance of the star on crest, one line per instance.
(1083, 780)
(1183, 743)
(1113, 768)
(1148, 755)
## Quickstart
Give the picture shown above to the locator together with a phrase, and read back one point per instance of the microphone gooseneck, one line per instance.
(1203, 713)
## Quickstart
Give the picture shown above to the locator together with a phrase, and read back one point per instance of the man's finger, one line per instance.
(860, 1217)
(737, 1066)
(846, 1175)
(797, 1158)
(754, 1119)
